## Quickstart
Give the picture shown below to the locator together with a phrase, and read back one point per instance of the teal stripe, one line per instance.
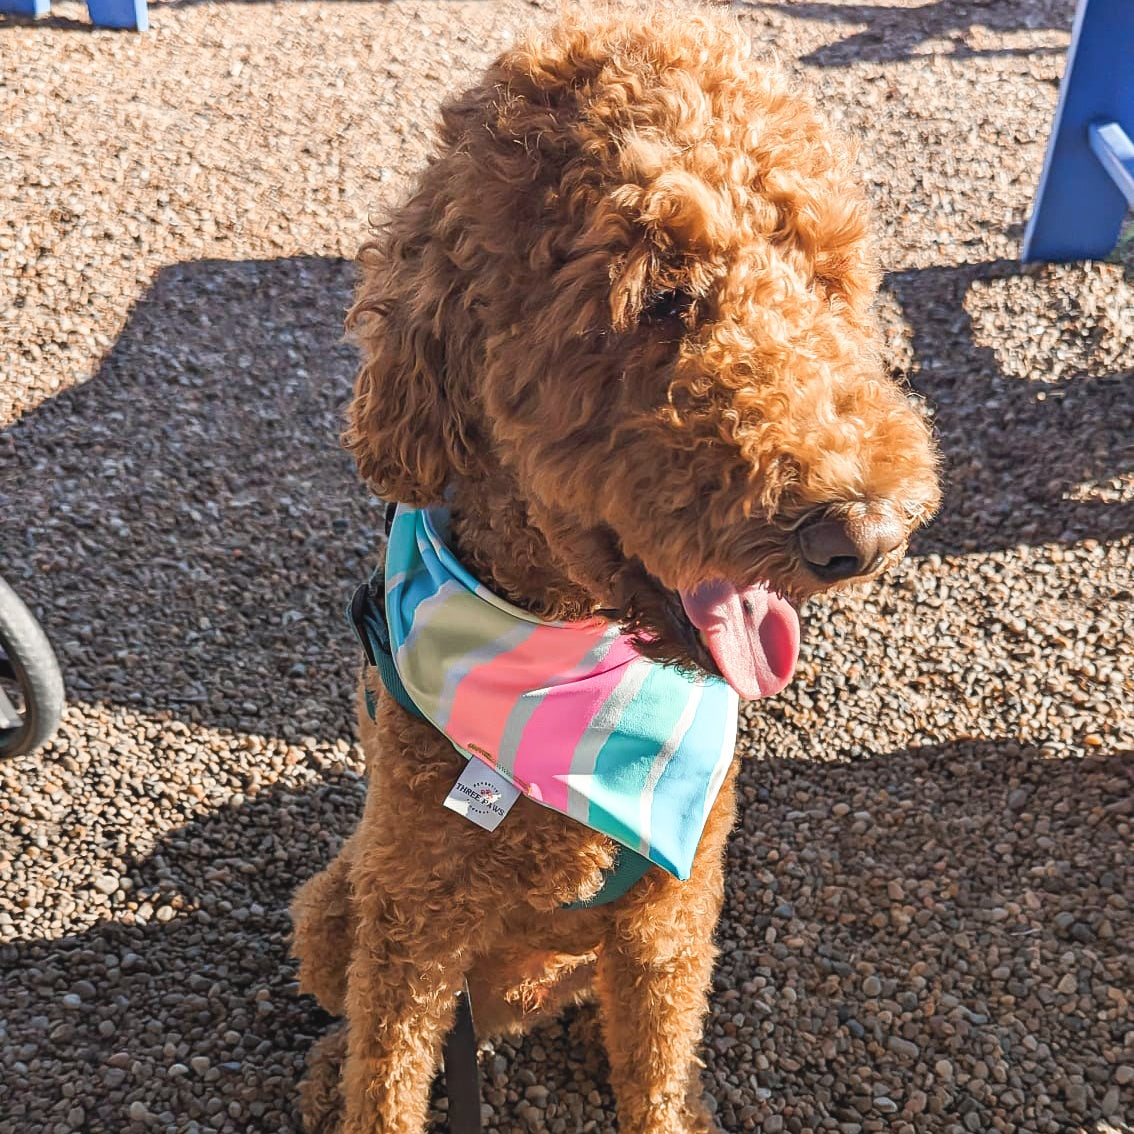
(727, 754)
(581, 779)
(623, 764)
(409, 579)
(668, 750)
(682, 791)
(433, 543)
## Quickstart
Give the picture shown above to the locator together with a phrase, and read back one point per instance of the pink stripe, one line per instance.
(481, 706)
(558, 724)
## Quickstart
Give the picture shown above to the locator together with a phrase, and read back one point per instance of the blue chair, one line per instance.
(1087, 182)
(103, 13)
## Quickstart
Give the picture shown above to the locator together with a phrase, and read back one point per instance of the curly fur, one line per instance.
(625, 323)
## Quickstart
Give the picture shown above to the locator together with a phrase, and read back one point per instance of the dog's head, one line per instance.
(637, 283)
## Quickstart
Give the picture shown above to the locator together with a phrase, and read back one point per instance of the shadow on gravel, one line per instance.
(997, 915)
(186, 522)
(893, 32)
(56, 23)
(986, 890)
(1013, 450)
(208, 975)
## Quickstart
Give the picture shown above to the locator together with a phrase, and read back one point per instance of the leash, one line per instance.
(462, 1076)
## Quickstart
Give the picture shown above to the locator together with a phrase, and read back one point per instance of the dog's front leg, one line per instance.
(653, 981)
(409, 961)
(653, 1010)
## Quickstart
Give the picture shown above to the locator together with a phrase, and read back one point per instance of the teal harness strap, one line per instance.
(629, 867)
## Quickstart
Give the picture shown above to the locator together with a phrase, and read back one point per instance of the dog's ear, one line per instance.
(405, 426)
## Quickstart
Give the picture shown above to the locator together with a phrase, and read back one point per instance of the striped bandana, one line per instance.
(569, 712)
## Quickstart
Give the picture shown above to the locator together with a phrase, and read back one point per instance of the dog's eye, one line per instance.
(667, 306)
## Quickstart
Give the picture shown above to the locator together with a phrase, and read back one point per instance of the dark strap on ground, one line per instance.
(462, 1076)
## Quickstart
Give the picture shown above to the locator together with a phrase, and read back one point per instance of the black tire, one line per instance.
(29, 670)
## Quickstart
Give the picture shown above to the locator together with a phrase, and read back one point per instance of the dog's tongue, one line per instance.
(752, 633)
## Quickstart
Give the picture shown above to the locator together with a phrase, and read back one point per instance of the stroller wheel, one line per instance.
(31, 686)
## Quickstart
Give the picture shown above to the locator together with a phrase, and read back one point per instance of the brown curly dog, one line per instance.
(623, 330)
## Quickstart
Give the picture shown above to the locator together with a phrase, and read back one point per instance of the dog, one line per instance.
(621, 373)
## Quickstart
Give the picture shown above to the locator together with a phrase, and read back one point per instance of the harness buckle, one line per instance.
(356, 612)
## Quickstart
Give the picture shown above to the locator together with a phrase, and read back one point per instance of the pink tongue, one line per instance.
(753, 635)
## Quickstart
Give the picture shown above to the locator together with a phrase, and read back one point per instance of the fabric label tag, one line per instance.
(482, 795)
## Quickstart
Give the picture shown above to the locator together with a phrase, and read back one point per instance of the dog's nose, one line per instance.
(841, 547)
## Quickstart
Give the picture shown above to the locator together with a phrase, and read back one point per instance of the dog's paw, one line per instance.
(320, 1094)
(702, 1120)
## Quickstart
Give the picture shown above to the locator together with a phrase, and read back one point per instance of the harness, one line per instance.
(368, 618)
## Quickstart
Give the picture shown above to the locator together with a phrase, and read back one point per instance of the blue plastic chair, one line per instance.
(103, 13)
(1088, 175)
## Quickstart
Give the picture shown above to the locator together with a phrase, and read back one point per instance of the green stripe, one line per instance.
(468, 623)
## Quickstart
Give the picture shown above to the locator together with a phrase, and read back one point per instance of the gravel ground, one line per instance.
(928, 926)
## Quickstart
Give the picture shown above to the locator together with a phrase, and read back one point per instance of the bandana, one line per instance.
(569, 712)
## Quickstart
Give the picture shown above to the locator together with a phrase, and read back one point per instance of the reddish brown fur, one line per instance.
(596, 460)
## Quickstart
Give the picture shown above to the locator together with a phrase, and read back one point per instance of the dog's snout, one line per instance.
(842, 547)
